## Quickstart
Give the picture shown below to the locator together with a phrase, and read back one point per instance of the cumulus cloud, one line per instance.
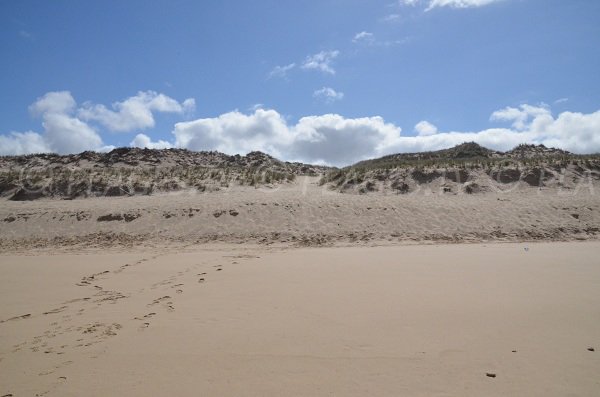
(65, 127)
(321, 61)
(576, 132)
(58, 102)
(66, 134)
(144, 141)
(16, 143)
(63, 133)
(235, 132)
(328, 138)
(336, 140)
(134, 112)
(425, 128)
(522, 116)
(328, 94)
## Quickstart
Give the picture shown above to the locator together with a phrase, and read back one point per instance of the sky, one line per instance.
(324, 81)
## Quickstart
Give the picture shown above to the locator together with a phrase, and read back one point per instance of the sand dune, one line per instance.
(303, 213)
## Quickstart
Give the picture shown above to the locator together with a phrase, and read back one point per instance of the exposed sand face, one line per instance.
(304, 213)
(253, 321)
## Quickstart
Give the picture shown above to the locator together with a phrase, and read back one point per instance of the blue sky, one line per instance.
(301, 80)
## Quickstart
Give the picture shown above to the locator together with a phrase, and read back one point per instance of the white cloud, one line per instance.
(575, 132)
(66, 130)
(53, 103)
(235, 132)
(321, 61)
(561, 101)
(63, 133)
(134, 112)
(144, 141)
(281, 71)
(188, 106)
(66, 134)
(364, 37)
(409, 2)
(522, 116)
(334, 139)
(425, 128)
(460, 3)
(431, 4)
(328, 94)
(329, 138)
(16, 143)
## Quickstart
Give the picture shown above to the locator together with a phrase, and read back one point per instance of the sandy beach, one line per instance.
(420, 320)
(304, 199)
(436, 286)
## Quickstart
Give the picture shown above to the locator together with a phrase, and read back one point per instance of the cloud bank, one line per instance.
(334, 139)
(327, 139)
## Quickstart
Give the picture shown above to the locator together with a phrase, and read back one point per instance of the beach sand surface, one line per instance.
(517, 319)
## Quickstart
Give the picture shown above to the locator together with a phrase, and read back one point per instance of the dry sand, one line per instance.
(242, 320)
(304, 213)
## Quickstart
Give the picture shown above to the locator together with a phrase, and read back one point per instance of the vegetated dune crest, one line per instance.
(468, 167)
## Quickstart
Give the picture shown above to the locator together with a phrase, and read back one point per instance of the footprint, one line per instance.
(158, 300)
(24, 316)
(57, 310)
(145, 316)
